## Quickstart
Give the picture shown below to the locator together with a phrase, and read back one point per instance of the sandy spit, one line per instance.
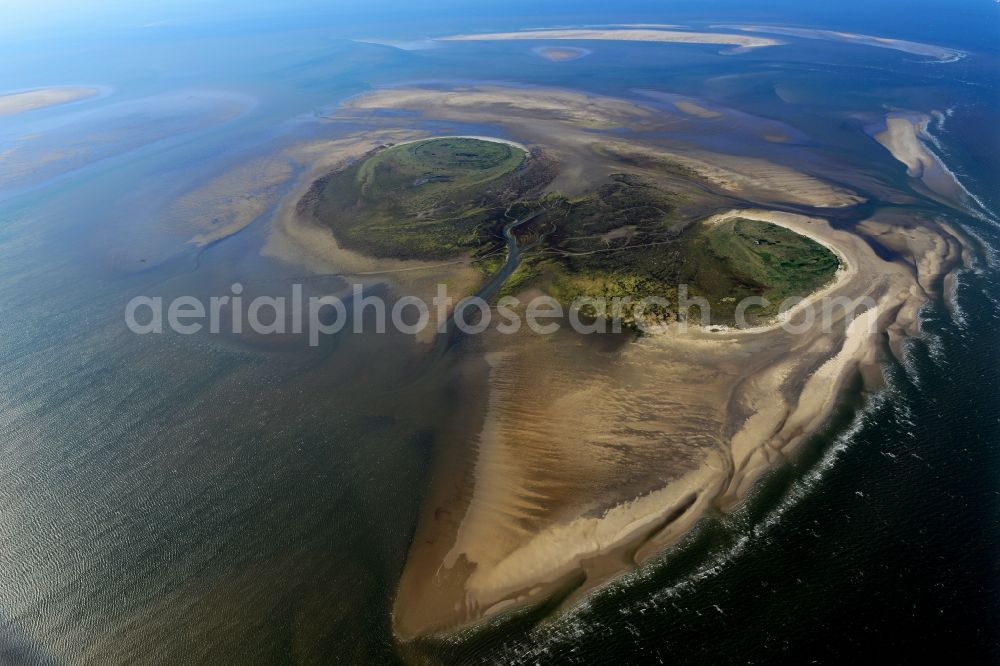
(939, 53)
(904, 137)
(630, 35)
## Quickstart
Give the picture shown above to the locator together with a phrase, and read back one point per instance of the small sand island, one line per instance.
(739, 42)
(589, 456)
(29, 100)
(561, 53)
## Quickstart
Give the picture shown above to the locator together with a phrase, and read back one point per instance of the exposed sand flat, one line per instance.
(627, 35)
(758, 178)
(900, 138)
(749, 177)
(494, 103)
(929, 254)
(904, 136)
(608, 456)
(693, 109)
(559, 118)
(29, 100)
(917, 48)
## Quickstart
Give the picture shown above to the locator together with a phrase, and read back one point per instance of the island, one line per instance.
(586, 455)
(448, 197)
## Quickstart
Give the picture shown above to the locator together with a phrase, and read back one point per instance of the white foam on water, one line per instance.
(991, 254)
(980, 210)
(574, 625)
(934, 145)
(909, 363)
(958, 313)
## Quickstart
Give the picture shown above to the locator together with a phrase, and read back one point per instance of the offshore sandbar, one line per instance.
(29, 100)
(939, 53)
(628, 35)
(904, 136)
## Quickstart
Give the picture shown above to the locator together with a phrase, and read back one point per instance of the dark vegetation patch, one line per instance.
(428, 199)
(440, 198)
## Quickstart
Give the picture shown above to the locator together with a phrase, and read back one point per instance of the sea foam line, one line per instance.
(936, 147)
(574, 625)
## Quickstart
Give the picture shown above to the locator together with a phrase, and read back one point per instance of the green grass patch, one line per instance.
(739, 258)
(427, 199)
(438, 198)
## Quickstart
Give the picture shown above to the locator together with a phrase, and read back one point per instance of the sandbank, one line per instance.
(598, 463)
(939, 53)
(29, 100)
(904, 136)
(561, 120)
(742, 42)
(693, 109)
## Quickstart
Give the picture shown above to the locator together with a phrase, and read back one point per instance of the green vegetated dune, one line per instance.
(722, 263)
(427, 199)
(740, 257)
(446, 197)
